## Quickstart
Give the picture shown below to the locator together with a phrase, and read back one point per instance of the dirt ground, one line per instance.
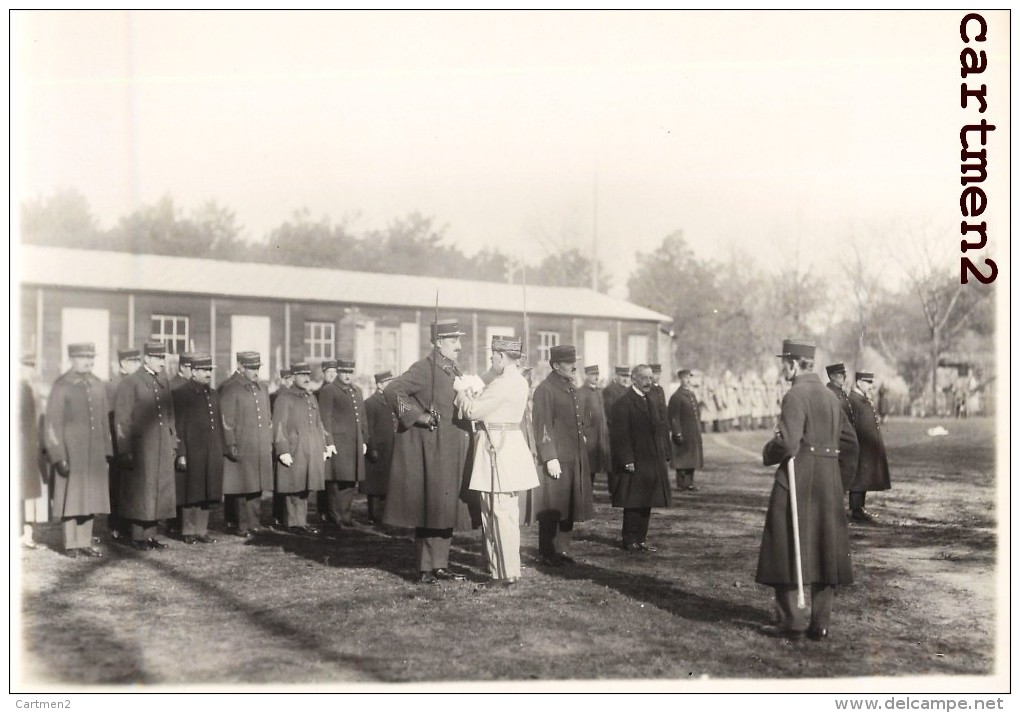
(340, 610)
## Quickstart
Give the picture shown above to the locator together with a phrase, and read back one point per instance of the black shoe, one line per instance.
(777, 632)
(140, 544)
(205, 539)
(552, 561)
(645, 547)
(631, 547)
(442, 573)
(692, 487)
(427, 578)
(817, 634)
(862, 515)
(497, 585)
(155, 544)
(189, 539)
(565, 558)
(71, 553)
(91, 552)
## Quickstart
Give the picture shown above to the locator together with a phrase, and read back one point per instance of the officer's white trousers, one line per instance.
(502, 530)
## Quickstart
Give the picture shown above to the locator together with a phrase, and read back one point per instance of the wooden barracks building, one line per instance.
(288, 314)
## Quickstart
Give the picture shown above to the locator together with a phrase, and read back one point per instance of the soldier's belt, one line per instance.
(820, 452)
(502, 426)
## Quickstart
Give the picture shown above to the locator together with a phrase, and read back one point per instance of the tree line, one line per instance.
(728, 312)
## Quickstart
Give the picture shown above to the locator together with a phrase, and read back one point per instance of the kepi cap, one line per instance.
(445, 328)
(186, 358)
(201, 361)
(81, 349)
(621, 371)
(344, 366)
(593, 369)
(302, 367)
(383, 376)
(798, 349)
(656, 368)
(285, 373)
(126, 354)
(507, 344)
(683, 372)
(250, 360)
(156, 349)
(563, 352)
(328, 364)
(865, 376)
(837, 368)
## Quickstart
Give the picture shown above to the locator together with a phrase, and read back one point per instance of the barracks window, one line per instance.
(172, 330)
(320, 340)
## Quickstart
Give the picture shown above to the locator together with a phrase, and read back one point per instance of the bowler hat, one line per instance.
(154, 349)
(837, 368)
(446, 328)
(798, 348)
(563, 352)
(302, 367)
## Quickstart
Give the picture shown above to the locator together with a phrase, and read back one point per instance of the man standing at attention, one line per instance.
(685, 428)
(382, 427)
(617, 388)
(429, 453)
(872, 472)
(564, 495)
(77, 443)
(343, 414)
(811, 429)
(848, 455)
(596, 433)
(129, 361)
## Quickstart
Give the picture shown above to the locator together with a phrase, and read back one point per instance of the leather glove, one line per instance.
(127, 461)
(678, 438)
(232, 454)
(553, 466)
(63, 468)
(425, 420)
(181, 464)
(287, 459)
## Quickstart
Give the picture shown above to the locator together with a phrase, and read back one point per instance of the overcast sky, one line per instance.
(752, 132)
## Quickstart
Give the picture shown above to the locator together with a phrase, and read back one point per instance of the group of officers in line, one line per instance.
(437, 450)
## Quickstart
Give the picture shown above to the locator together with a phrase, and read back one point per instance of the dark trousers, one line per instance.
(242, 511)
(856, 500)
(820, 604)
(432, 548)
(295, 509)
(684, 478)
(114, 524)
(554, 535)
(376, 503)
(340, 500)
(142, 530)
(635, 525)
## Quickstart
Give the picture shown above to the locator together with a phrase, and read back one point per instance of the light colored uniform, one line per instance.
(503, 467)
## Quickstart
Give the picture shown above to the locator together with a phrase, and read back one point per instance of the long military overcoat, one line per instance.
(382, 427)
(872, 472)
(146, 428)
(848, 453)
(685, 420)
(30, 445)
(200, 432)
(77, 431)
(596, 433)
(342, 409)
(812, 427)
(298, 430)
(637, 437)
(247, 424)
(427, 474)
(558, 420)
(610, 394)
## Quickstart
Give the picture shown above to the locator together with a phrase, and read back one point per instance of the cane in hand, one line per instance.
(796, 533)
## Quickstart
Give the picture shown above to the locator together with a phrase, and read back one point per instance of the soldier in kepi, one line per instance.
(342, 408)
(597, 432)
(429, 453)
(503, 465)
(77, 443)
(565, 494)
(382, 426)
(872, 472)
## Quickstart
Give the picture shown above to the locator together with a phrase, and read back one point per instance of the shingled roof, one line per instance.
(129, 272)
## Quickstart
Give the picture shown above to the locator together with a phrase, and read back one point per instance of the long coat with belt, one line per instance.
(596, 433)
(848, 453)
(298, 430)
(872, 472)
(638, 436)
(382, 427)
(200, 430)
(342, 408)
(558, 420)
(812, 427)
(685, 421)
(30, 445)
(77, 431)
(502, 459)
(427, 473)
(147, 429)
(247, 424)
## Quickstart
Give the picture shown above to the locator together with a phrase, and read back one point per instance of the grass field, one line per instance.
(341, 608)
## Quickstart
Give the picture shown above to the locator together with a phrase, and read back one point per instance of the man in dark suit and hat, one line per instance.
(872, 472)
(565, 494)
(429, 452)
(811, 429)
(684, 413)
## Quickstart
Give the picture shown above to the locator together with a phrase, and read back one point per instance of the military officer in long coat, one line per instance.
(238, 369)
(200, 451)
(872, 472)
(303, 446)
(564, 496)
(78, 443)
(248, 439)
(502, 467)
(343, 414)
(640, 445)
(147, 443)
(183, 375)
(811, 429)
(685, 432)
(286, 381)
(596, 434)
(128, 362)
(848, 461)
(615, 389)
(382, 427)
(429, 453)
